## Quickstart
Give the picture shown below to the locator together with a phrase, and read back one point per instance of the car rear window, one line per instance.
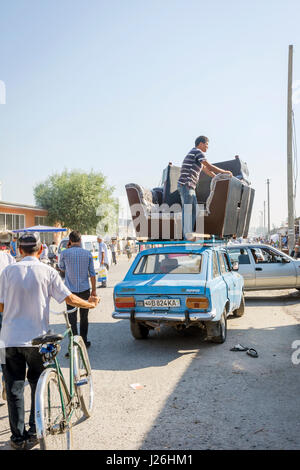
(169, 263)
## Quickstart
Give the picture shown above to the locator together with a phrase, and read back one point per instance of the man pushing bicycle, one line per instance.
(25, 292)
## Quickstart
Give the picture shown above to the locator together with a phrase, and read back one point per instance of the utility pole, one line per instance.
(268, 200)
(264, 218)
(290, 173)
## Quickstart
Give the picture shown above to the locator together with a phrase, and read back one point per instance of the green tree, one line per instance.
(74, 199)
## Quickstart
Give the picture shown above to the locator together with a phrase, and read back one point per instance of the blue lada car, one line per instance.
(180, 285)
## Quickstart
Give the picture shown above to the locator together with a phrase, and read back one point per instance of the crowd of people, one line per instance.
(27, 284)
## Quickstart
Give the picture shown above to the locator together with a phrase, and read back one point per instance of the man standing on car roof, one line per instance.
(26, 288)
(78, 266)
(191, 168)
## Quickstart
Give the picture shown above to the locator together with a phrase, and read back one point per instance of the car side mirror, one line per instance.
(235, 266)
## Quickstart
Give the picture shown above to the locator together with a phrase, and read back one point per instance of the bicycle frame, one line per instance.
(55, 365)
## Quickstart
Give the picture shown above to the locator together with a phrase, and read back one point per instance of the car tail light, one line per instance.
(197, 302)
(125, 302)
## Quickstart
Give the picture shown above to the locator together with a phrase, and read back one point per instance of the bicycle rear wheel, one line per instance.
(52, 430)
(83, 376)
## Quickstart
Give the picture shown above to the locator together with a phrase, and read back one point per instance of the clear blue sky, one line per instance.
(125, 86)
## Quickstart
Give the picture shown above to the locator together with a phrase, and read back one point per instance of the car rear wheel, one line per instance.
(138, 330)
(217, 331)
(241, 310)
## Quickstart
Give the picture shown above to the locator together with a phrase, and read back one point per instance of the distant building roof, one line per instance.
(23, 206)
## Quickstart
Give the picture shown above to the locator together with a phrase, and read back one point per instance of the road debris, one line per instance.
(137, 386)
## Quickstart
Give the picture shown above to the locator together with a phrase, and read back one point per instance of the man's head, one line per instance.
(99, 239)
(30, 245)
(75, 237)
(202, 143)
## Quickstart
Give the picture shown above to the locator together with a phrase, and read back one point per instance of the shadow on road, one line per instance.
(229, 400)
(292, 298)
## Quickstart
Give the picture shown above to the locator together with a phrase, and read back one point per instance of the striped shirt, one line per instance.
(78, 265)
(191, 168)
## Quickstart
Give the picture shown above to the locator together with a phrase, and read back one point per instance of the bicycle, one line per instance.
(55, 403)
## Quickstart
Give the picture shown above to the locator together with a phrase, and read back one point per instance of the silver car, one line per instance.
(265, 267)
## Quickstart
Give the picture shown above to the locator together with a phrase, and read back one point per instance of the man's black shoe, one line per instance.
(67, 355)
(31, 441)
(87, 344)
(18, 445)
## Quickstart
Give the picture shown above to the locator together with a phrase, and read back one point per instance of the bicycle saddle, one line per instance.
(49, 337)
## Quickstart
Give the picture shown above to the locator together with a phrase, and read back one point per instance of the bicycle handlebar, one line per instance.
(64, 311)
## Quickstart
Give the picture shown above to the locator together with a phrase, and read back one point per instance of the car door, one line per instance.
(236, 281)
(228, 279)
(273, 269)
(243, 256)
(218, 288)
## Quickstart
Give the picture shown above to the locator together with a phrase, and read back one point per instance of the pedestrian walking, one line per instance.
(114, 251)
(13, 246)
(103, 259)
(26, 288)
(128, 250)
(78, 267)
(44, 256)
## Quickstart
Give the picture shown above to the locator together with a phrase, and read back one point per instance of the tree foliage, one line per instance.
(74, 199)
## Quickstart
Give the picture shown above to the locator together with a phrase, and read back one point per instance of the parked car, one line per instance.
(88, 242)
(180, 285)
(265, 267)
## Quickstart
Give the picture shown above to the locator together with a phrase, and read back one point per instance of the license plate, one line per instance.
(159, 303)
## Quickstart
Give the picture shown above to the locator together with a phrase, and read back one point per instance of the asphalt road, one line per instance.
(193, 395)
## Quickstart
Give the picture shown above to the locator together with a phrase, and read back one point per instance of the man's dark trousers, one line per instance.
(84, 324)
(14, 371)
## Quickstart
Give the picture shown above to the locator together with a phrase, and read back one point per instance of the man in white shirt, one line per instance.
(25, 292)
(5, 260)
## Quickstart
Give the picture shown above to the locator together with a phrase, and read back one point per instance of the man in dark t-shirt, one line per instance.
(191, 168)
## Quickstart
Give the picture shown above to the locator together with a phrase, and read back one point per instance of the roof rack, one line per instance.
(207, 242)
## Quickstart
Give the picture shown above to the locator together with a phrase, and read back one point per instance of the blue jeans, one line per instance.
(189, 206)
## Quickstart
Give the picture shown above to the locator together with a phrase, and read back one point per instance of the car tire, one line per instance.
(239, 312)
(138, 331)
(217, 331)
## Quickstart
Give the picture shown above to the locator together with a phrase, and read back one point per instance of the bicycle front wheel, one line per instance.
(51, 397)
(83, 376)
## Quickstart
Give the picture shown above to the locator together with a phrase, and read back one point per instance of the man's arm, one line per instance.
(101, 254)
(1, 308)
(214, 168)
(75, 301)
(208, 172)
(93, 282)
(92, 275)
